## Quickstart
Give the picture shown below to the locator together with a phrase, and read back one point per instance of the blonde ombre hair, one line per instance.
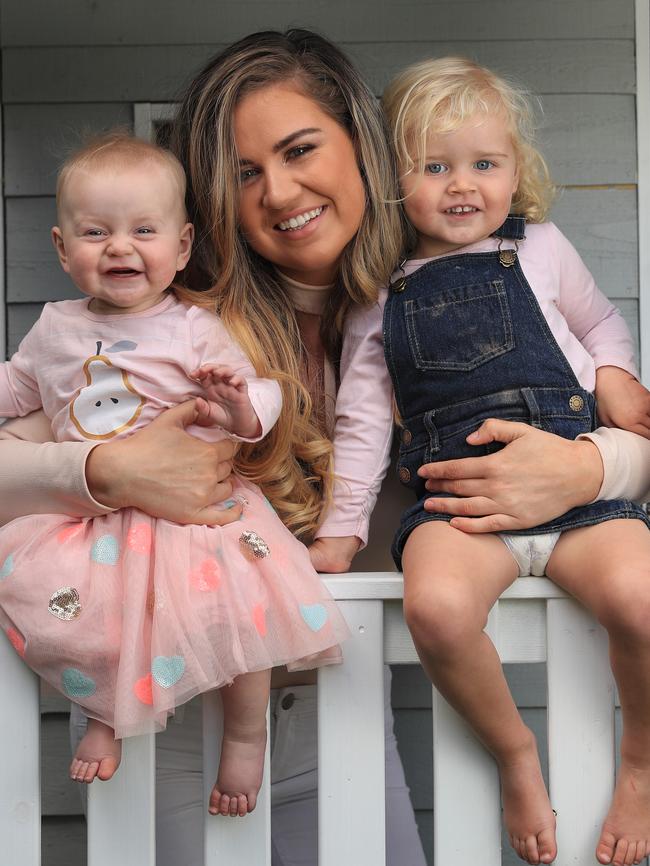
(293, 465)
(438, 96)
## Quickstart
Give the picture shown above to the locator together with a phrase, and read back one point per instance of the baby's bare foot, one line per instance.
(240, 775)
(625, 837)
(527, 812)
(98, 754)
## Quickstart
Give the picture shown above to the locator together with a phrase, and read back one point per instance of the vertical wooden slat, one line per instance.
(580, 728)
(121, 812)
(466, 798)
(232, 840)
(20, 796)
(351, 766)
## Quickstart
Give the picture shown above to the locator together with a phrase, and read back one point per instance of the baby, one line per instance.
(128, 615)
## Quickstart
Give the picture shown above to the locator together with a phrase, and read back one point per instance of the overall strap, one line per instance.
(513, 228)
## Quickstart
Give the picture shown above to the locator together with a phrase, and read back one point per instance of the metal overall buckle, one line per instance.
(507, 257)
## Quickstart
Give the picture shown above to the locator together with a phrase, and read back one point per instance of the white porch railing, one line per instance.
(533, 621)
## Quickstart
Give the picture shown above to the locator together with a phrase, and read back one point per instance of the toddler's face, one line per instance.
(465, 192)
(123, 235)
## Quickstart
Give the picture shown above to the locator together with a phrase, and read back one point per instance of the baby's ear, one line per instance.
(185, 246)
(59, 246)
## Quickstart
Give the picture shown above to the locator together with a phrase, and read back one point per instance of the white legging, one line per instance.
(180, 807)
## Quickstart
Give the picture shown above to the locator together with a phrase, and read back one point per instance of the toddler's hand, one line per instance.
(228, 401)
(334, 555)
(622, 401)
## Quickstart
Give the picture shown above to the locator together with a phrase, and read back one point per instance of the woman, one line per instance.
(281, 128)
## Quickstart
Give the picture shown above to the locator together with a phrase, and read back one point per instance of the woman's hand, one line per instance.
(334, 555)
(164, 471)
(536, 477)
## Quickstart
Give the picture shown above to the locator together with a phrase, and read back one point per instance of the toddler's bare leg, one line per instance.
(451, 580)
(607, 568)
(244, 742)
(98, 754)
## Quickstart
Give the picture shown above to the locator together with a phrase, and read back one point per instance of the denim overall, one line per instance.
(465, 340)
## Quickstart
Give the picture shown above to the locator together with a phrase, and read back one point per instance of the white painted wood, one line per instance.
(147, 114)
(580, 728)
(466, 799)
(351, 803)
(20, 796)
(232, 840)
(642, 9)
(121, 812)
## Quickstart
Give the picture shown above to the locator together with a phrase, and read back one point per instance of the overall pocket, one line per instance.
(460, 328)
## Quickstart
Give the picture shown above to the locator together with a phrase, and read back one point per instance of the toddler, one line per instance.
(128, 615)
(495, 315)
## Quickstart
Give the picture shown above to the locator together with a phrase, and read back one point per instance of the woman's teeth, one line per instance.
(461, 209)
(299, 221)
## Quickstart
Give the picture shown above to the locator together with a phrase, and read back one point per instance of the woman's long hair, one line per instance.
(293, 464)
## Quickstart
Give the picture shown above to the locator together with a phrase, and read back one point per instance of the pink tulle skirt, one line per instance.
(131, 616)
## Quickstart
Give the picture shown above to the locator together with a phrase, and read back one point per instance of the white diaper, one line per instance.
(531, 552)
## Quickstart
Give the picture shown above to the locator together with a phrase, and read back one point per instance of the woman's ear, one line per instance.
(59, 246)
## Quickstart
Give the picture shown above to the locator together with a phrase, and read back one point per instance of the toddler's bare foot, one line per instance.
(240, 774)
(527, 812)
(98, 754)
(625, 837)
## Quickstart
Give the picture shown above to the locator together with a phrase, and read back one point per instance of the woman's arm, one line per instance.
(535, 478)
(160, 469)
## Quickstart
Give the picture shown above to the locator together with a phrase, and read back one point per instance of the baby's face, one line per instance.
(123, 234)
(464, 195)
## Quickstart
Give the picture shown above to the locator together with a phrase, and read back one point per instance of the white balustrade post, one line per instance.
(351, 765)
(580, 728)
(20, 790)
(122, 811)
(237, 841)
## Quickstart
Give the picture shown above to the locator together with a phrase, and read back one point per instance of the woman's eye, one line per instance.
(435, 168)
(246, 174)
(298, 150)
(483, 164)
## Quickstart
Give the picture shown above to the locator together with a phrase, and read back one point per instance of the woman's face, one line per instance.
(302, 197)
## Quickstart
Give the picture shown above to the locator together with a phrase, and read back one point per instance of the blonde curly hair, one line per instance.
(440, 95)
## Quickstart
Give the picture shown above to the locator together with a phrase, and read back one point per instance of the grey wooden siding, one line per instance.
(79, 66)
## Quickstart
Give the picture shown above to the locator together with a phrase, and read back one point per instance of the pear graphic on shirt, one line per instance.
(108, 403)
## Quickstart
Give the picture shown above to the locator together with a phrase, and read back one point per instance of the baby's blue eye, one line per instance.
(435, 168)
(145, 230)
(94, 233)
(483, 164)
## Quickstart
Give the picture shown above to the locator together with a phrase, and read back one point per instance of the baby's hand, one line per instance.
(228, 401)
(334, 555)
(622, 401)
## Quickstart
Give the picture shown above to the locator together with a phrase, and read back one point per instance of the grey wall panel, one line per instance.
(63, 841)
(38, 137)
(602, 225)
(33, 270)
(156, 73)
(20, 318)
(60, 794)
(79, 22)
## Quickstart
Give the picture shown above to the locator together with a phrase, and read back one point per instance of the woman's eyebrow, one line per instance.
(293, 135)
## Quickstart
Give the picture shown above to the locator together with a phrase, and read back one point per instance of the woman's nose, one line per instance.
(280, 189)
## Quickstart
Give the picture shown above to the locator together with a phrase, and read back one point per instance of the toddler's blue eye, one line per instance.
(435, 168)
(483, 164)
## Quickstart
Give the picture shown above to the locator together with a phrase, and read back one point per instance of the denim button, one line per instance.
(288, 701)
(576, 403)
(406, 437)
(404, 475)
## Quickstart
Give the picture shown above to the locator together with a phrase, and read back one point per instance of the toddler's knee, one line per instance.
(440, 621)
(624, 608)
